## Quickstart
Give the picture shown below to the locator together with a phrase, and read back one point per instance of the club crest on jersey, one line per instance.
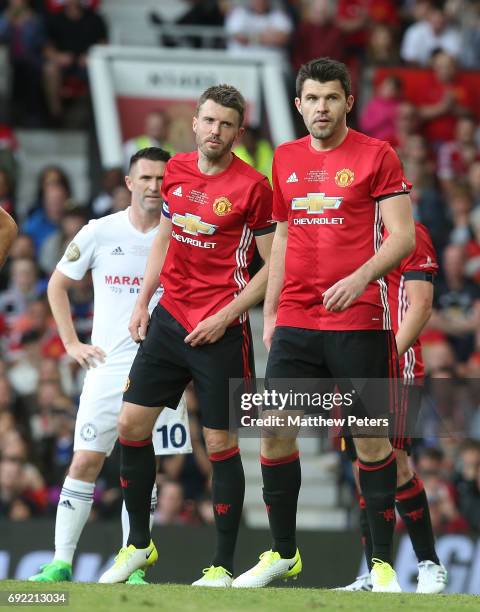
(127, 385)
(222, 206)
(344, 177)
(316, 203)
(193, 224)
(73, 252)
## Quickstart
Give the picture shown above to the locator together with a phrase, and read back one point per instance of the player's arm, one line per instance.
(84, 354)
(420, 298)
(156, 258)
(212, 328)
(276, 277)
(397, 217)
(8, 233)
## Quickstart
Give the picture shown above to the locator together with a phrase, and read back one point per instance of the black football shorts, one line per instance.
(165, 364)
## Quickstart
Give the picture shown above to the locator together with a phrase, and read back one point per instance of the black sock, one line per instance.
(378, 484)
(281, 485)
(137, 477)
(228, 491)
(366, 533)
(412, 505)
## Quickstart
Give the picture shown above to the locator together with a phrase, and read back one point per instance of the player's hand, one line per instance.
(139, 323)
(85, 355)
(208, 331)
(268, 329)
(340, 296)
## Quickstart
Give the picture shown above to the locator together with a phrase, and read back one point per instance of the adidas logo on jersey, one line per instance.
(66, 504)
(117, 251)
(292, 178)
(178, 191)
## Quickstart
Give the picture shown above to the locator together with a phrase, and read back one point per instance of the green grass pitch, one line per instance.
(91, 597)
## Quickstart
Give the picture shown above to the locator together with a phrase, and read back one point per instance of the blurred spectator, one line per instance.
(472, 265)
(156, 126)
(50, 175)
(456, 156)
(382, 47)
(23, 247)
(258, 27)
(440, 494)
(54, 246)
(23, 31)
(56, 448)
(470, 51)
(356, 16)
(443, 97)
(171, 504)
(430, 33)
(24, 374)
(55, 6)
(70, 34)
(25, 286)
(460, 206)
(317, 35)
(45, 221)
(456, 310)
(256, 151)
(8, 150)
(201, 13)
(474, 182)
(102, 203)
(37, 317)
(467, 481)
(7, 192)
(22, 490)
(378, 118)
(406, 124)
(120, 199)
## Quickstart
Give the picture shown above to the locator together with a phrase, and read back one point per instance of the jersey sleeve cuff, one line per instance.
(418, 275)
(392, 195)
(265, 230)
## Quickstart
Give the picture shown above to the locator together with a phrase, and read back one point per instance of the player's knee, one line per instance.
(275, 448)
(218, 441)
(129, 428)
(86, 465)
(372, 449)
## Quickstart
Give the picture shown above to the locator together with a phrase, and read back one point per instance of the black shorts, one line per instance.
(165, 364)
(402, 424)
(340, 357)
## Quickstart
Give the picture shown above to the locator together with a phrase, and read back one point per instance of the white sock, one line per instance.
(126, 522)
(73, 511)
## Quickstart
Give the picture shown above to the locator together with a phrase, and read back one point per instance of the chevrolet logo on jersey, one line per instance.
(316, 203)
(193, 224)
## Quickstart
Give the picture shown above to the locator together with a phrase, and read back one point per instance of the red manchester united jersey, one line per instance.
(331, 202)
(214, 219)
(420, 265)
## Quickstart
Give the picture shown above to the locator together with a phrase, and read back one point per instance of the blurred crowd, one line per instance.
(416, 75)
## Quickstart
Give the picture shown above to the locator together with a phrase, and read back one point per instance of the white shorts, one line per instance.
(100, 404)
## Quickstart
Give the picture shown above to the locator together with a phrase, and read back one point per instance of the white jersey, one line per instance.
(117, 254)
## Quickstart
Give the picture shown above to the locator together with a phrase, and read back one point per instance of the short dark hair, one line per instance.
(225, 95)
(324, 69)
(150, 153)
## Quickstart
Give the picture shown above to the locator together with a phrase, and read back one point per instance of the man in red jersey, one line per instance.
(326, 309)
(215, 205)
(410, 297)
